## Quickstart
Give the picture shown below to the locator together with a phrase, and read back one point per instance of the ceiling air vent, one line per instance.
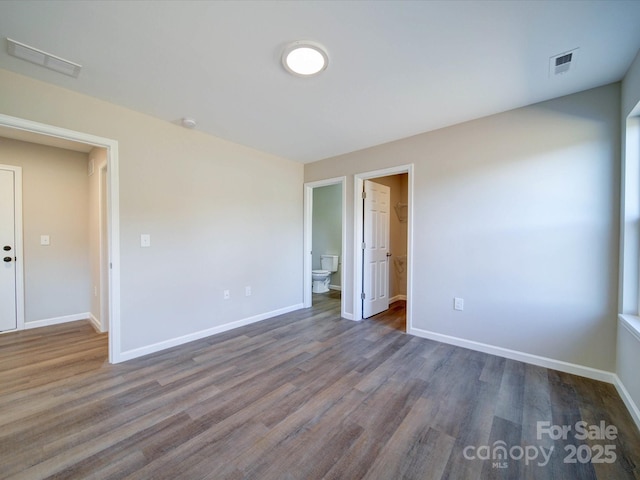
(563, 63)
(44, 59)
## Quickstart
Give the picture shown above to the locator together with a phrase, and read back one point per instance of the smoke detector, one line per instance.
(563, 62)
(188, 123)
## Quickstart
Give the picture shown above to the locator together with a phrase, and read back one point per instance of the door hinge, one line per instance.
(364, 195)
(362, 296)
(364, 245)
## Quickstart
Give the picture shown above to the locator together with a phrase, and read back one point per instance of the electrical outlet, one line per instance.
(458, 303)
(45, 240)
(227, 294)
(247, 291)
(145, 240)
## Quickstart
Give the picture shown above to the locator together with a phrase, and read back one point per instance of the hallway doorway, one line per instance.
(38, 133)
(398, 252)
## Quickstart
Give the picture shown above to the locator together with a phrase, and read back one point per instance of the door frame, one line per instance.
(113, 210)
(358, 238)
(308, 238)
(103, 229)
(17, 235)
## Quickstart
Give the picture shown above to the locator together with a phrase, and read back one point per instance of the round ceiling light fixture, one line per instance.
(305, 58)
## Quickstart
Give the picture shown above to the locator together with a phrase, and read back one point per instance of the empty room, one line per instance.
(320, 239)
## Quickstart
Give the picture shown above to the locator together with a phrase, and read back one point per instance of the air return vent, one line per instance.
(44, 59)
(563, 62)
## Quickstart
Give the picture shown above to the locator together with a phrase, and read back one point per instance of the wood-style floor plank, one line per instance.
(306, 395)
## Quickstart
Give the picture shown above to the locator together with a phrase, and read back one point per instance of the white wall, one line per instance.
(327, 227)
(628, 352)
(55, 197)
(517, 213)
(629, 274)
(631, 88)
(628, 361)
(220, 215)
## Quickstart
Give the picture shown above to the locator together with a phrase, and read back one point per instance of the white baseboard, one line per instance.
(57, 320)
(174, 342)
(628, 401)
(397, 298)
(95, 323)
(566, 367)
(347, 316)
(335, 287)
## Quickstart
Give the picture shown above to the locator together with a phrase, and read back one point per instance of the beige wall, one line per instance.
(220, 215)
(55, 199)
(517, 213)
(397, 235)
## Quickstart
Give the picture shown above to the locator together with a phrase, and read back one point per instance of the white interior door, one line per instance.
(8, 312)
(375, 271)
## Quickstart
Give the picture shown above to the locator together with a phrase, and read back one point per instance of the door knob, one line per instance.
(6, 248)
(7, 259)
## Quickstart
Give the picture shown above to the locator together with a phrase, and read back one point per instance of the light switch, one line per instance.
(45, 240)
(145, 240)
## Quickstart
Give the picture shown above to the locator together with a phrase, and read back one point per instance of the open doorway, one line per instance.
(324, 241)
(33, 132)
(390, 258)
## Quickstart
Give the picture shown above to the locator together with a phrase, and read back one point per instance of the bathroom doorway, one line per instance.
(324, 235)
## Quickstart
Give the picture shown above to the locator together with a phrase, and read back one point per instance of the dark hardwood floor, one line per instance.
(394, 318)
(306, 395)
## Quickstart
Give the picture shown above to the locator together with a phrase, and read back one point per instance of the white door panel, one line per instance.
(8, 313)
(376, 247)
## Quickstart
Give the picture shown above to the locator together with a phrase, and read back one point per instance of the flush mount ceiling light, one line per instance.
(305, 58)
(44, 59)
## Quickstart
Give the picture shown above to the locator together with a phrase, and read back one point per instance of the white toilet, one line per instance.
(321, 278)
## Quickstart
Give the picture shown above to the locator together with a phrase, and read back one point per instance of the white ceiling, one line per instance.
(397, 68)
